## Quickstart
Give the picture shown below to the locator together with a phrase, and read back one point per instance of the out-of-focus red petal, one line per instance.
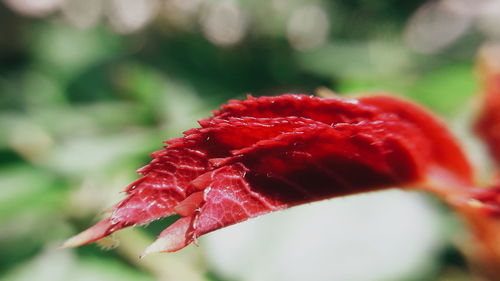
(481, 209)
(488, 122)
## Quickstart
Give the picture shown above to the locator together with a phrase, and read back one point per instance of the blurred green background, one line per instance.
(89, 88)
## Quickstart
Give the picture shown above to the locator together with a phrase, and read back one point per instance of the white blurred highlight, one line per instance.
(390, 235)
(82, 14)
(308, 28)
(435, 26)
(181, 13)
(34, 8)
(438, 24)
(127, 16)
(224, 23)
(489, 20)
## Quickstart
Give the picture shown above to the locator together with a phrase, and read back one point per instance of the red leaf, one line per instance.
(166, 178)
(445, 152)
(265, 154)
